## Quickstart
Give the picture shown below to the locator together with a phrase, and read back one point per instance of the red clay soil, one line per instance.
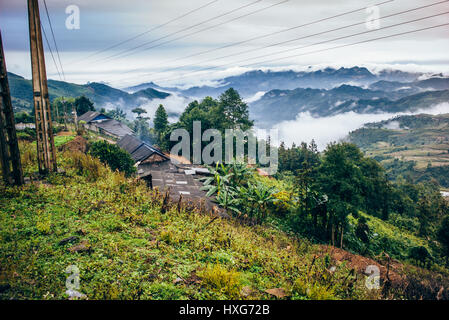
(360, 263)
(79, 144)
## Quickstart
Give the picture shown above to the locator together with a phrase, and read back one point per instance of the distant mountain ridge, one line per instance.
(101, 94)
(280, 105)
(252, 82)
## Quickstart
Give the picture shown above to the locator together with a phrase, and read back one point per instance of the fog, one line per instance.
(334, 128)
(174, 105)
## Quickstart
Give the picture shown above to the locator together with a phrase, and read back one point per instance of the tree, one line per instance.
(340, 179)
(160, 120)
(235, 110)
(117, 114)
(443, 236)
(83, 105)
(139, 112)
(112, 155)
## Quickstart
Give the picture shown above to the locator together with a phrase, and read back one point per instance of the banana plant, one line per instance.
(220, 179)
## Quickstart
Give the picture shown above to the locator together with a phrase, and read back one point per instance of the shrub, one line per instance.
(420, 255)
(222, 281)
(86, 165)
(113, 156)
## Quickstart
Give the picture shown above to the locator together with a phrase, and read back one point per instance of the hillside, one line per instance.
(127, 246)
(321, 103)
(416, 145)
(101, 94)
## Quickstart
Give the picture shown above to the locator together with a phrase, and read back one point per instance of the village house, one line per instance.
(100, 123)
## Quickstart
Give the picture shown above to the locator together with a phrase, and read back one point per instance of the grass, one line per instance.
(133, 251)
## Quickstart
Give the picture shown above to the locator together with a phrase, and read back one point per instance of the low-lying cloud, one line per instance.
(334, 128)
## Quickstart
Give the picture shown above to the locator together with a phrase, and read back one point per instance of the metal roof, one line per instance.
(138, 149)
(114, 127)
(88, 116)
(129, 143)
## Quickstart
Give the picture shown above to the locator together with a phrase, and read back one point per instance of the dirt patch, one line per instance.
(79, 144)
(360, 263)
(65, 133)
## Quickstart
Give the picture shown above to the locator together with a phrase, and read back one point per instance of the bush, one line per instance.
(113, 156)
(222, 281)
(420, 255)
(85, 165)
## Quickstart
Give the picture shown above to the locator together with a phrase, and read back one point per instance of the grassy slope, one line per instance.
(138, 253)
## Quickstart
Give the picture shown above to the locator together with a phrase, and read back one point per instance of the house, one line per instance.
(23, 126)
(140, 151)
(100, 123)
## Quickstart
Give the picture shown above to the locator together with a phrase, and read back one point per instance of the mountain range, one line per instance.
(101, 94)
(273, 96)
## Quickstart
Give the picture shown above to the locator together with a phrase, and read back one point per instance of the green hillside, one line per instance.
(414, 146)
(128, 245)
(100, 94)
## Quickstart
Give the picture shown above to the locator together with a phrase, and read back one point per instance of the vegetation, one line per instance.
(113, 229)
(112, 155)
(414, 147)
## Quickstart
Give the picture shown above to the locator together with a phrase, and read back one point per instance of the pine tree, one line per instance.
(160, 120)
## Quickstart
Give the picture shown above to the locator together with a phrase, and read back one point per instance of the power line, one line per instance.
(322, 42)
(350, 36)
(148, 31)
(269, 34)
(282, 31)
(179, 31)
(217, 25)
(54, 39)
(51, 51)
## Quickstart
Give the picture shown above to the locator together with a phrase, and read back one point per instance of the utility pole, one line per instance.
(9, 146)
(46, 153)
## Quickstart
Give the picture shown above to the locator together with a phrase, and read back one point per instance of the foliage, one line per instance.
(160, 119)
(115, 157)
(83, 105)
(136, 252)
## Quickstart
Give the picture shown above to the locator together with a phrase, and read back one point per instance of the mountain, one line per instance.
(415, 146)
(280, 105)
(434, 83)
(101, 94)
(250, 83)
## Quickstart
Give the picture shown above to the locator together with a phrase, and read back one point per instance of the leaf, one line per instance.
(277, 292)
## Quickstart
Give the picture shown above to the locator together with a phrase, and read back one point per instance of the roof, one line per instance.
(129, 143)
(138, 149)
(114, 127)
(90, 116)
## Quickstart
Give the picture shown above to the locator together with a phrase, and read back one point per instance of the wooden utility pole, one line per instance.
(46, 152)
(9, 146)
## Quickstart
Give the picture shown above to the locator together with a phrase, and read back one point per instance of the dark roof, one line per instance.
(129, 143)
(90, 116)
(114, 127)
(138, 149)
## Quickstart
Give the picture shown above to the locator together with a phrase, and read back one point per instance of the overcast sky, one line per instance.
(104, 23)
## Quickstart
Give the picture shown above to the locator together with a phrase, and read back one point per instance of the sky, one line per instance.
(168, 55)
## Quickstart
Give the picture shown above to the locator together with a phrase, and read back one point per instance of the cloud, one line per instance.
(174, 105)
(256, 97)
(334, 128)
